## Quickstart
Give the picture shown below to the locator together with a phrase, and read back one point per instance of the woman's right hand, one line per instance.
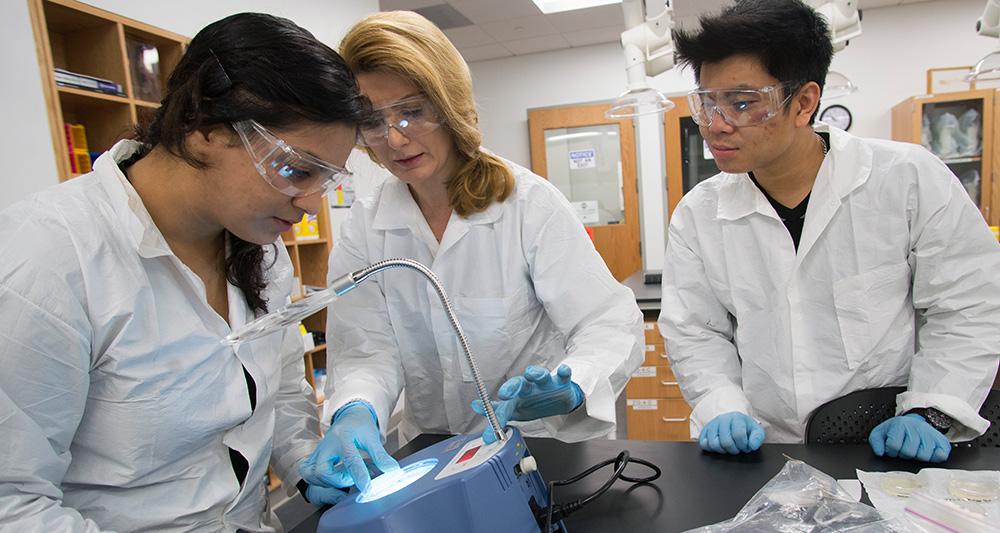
(337, 461)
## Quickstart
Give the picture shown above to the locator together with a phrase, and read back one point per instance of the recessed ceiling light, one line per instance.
(558, 6)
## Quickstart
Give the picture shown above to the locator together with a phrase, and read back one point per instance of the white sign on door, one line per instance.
(586, 211)
(582, 159)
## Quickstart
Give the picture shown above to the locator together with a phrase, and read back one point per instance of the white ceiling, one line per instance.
(502, 28)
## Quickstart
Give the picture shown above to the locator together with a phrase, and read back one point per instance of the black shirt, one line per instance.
(793, 217)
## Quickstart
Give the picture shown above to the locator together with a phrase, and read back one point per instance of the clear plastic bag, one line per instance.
(802, 499)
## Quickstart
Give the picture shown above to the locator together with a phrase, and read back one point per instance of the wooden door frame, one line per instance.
(672, 148)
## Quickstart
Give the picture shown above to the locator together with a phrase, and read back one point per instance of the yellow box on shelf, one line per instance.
(78, 136)
(307, 229)
(996, 231)
(82, 162)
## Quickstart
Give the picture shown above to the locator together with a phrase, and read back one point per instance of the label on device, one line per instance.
(469, 454)
(472, 454)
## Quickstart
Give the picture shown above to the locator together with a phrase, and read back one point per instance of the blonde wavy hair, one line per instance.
(408, 45)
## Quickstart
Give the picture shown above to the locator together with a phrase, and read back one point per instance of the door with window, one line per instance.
(591, 159)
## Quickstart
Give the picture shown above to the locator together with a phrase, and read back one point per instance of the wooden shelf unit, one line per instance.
(86, 40)
(309, 259)
(907, 126)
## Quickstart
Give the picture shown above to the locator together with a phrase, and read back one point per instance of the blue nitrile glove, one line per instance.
(320, 496)
(337, 461)
(536, 394)
(909, 437)
(733, 433)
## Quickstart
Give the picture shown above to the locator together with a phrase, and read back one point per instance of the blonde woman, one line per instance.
(556, 337)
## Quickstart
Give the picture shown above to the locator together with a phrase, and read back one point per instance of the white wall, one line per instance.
(888, 62)
(26, 142)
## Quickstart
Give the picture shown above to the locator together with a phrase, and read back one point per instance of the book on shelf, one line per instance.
(66, 78)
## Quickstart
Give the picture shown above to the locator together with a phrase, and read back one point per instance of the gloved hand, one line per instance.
(733, 433)
(909, 437)
(534, 395)
(337, 461)
(320, 496)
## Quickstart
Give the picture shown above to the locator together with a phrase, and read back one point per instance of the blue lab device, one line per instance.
(456, 485)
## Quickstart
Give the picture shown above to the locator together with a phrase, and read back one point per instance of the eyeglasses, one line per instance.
(287, 170)
(413, 117)
(738, 107)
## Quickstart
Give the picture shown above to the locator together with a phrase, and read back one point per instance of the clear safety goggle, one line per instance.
(413, 117)
(287, 170)
(738, 107)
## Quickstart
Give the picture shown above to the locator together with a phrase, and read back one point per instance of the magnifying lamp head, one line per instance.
(636, 102)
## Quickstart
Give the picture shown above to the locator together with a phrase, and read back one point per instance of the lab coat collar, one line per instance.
(847, 166)
(851, 164)
(127, 203)
(397, 210)
(739, 197)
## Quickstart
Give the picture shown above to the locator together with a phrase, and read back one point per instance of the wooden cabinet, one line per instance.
(81, 39)
(655, 409)
(958, 127)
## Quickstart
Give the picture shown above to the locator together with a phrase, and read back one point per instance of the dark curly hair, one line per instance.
(260, 67)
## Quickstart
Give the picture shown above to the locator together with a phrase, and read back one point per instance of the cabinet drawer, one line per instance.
(658, 419)
(655, 354)
(652, 331)
(653, 382)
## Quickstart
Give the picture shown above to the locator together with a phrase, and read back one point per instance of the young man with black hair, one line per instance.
(817, 263)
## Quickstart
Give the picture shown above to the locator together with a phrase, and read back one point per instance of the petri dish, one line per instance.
(391, 482)
(974, 490)
(901, 484)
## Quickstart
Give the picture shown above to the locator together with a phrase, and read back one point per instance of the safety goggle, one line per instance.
(738, 107)
(287, 170)
(413, 117)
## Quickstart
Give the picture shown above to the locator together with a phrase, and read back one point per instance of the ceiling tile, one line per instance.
(536, 44)
(519, 28)
(482, 53)
(585, 19)
(480, 11)
(406, 5)
(445, 16)
(610, 34)
(469, 36)
(871, 4)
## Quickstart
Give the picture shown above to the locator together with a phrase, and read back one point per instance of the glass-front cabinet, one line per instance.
(958, 128)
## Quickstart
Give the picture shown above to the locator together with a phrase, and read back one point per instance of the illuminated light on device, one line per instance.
(396, 480)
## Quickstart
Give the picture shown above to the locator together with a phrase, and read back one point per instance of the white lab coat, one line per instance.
(896, 282)
(118, 404)
(528, 287)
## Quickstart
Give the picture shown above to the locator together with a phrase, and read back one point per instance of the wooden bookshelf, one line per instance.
(309, 259)
(80, 38)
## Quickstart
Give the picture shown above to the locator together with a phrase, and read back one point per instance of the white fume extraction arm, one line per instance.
(649, 50)
(844, 20)
(989, 26)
